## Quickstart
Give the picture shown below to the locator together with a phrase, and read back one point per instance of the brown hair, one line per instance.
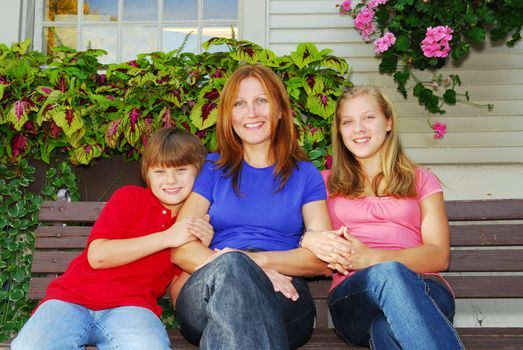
(171, 147)
(397, 170)
(285, 151)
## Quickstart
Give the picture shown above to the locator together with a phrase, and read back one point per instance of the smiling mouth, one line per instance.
(253, 125)
(173, 190)
(361, 140)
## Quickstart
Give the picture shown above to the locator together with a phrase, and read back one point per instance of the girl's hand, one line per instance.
(329, 246)
(360, 257)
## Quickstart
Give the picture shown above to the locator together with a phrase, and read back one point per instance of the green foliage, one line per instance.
(471, 21)
(18, 221)
(18, 218)
(77, 106)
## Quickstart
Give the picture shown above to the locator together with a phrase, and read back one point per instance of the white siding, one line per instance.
(491, 74)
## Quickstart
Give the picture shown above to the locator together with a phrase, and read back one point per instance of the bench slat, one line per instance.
(52, 261)
(492, 209)
(486, 235)
(62, 237)
(70, 211)
(463, 286)
(486, 286)
(508, 260)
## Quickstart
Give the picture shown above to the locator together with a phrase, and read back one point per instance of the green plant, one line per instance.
(18, 221)
(18, 218)
(80, 107)
(409, 34)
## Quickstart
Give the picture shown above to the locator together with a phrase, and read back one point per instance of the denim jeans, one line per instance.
(65, 326)
(230, 303)
(388, 306)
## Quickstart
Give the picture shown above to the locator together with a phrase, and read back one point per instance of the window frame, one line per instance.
(248, 17)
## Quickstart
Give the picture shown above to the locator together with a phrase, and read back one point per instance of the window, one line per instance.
(125, 28)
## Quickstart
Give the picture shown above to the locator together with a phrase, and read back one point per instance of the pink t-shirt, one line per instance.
(382, 222)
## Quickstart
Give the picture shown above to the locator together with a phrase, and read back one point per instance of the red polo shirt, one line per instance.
(131, 212)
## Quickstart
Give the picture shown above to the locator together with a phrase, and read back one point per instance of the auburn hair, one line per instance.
(171, 147)
(284, 149)
(397, 170)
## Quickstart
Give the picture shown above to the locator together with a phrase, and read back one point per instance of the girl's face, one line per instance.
(251, 113)
(363, 127)
(171, 185)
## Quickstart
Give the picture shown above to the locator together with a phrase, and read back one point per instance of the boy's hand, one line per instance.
(203, 230)
(187, 230)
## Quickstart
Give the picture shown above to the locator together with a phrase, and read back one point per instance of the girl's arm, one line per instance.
(431, 256)
(106, 253)
(300, 261)
(196, 252)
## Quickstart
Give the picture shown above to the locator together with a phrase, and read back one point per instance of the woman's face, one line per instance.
(251, 113)
(363, 127)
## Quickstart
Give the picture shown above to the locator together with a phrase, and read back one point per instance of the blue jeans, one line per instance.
(64, 326)
(388, 306)
(230, 303)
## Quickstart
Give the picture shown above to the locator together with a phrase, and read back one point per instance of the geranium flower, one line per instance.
(384, 43)
(436, 42)
(374, 3)
(346, 5)
(440, 129)
(363, 22)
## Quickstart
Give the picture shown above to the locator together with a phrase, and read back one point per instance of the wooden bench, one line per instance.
(486, 262)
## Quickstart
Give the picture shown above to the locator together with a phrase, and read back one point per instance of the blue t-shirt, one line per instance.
(260, 218)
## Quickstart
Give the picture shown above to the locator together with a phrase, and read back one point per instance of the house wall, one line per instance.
(10, 21)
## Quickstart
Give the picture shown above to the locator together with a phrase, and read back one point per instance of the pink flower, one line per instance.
(384, 43)
(363, 22)
(436, 42)
(374, 3)
(440, 129)
(346, 6)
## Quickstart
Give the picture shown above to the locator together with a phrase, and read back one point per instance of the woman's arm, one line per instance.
(194, 253)
(106, 253)
(431, 256)
(300, 261)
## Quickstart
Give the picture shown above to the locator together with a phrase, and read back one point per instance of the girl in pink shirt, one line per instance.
(392, 237)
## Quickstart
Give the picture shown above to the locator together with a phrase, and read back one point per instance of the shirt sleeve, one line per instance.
(426, 184)
(315, 187)
(204, 183)
(115, 217)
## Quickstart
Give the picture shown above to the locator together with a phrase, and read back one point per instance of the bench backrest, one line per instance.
(486, 239)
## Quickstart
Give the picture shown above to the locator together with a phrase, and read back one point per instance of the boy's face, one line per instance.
(171, 185)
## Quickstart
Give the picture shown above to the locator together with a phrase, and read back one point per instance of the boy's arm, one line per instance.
(194, 253)
(107, 253)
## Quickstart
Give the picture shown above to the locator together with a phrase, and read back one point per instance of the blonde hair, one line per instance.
(397, 170)
(171, 147)
(285, 151)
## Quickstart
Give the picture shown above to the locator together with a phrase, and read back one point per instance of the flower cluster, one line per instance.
(382, 44)
(436, 42)
(411, 36)
(440, 129)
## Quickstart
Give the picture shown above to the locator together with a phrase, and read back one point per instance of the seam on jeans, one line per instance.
(371, 341)
(106, 335)
(427, 289)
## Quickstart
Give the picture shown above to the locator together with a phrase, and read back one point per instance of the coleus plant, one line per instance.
(71, 103)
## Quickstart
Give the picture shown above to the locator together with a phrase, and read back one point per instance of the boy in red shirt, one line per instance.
(108, 295)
